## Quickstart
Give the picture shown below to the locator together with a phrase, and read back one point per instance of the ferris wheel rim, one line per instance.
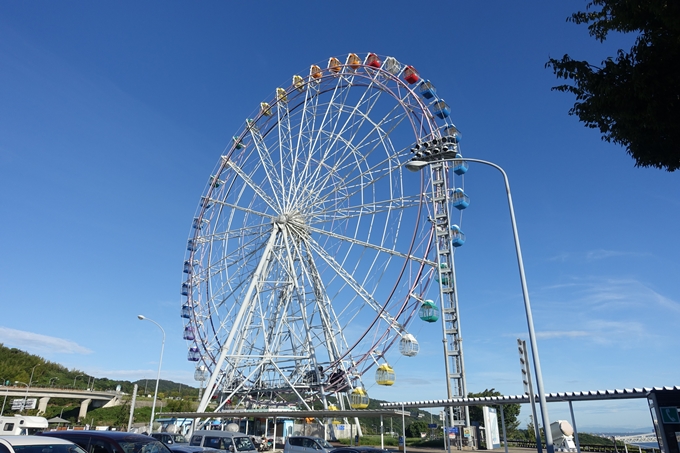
(225, 162)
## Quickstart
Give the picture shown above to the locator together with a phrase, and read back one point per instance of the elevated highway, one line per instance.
(106, 398)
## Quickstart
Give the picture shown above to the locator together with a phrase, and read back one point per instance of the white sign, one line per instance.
(18, 404)
(493, 438)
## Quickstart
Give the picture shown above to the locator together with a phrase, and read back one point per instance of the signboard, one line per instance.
(21, 404)
(493, 438)
(466, 432)
(670, 415)
(431, 425)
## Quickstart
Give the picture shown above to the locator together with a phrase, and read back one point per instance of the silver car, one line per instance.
(37, 444)
(305, 444)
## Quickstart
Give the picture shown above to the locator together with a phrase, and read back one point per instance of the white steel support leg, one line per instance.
(245, 305)
(453, 351)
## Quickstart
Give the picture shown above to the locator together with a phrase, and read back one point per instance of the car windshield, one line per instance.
(144, 447)
(179, 438)
(324, 443)
(243, 444)
(59, 448)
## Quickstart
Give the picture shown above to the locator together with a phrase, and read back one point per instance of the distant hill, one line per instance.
(17, 365)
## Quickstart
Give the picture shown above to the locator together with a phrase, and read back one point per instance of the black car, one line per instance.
(111, 441)
(359, 449)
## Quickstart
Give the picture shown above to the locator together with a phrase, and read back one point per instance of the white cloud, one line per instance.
(39, 344)
(563, 334)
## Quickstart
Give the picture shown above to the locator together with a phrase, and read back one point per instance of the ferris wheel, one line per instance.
(311, 252)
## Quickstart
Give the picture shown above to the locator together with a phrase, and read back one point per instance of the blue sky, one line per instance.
(113, 114)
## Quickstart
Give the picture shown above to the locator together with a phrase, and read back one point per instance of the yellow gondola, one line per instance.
(265, 109)
(358, 399)
(281, 95)
(298, 82)
(385, 375)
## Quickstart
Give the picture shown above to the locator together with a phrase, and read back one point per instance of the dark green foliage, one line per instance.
(416, 428)
(510, 412)
(633, 99)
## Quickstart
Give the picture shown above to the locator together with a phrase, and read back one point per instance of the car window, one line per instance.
(220, 443)
(60, 448)
(295, 441)
(243, 443)
(144, 447)
(99, 446)
(178, 438)
(196, 441)
(8, 427)
(4, 449)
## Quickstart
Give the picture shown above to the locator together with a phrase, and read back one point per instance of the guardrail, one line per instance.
(588, 447)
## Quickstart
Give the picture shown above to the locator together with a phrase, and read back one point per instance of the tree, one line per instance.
(634, 99)
(416, 428)
(510, 411)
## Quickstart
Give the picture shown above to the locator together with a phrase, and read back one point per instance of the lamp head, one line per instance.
(141, 317)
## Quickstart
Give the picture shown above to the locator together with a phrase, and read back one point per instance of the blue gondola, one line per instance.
(459, 199)
(460, 168)
(238, 144)
(457, 236)
(185, 289)
(189, 333)
(445, 279)
(426, 89)
(193, 355)
(186, 311)
(441, 109)
(191, 245)
(429, 312)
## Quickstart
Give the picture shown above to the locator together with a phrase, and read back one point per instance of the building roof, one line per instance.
(591, 395)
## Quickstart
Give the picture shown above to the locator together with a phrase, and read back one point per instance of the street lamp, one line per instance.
(158, 377)
(74, 380)
(418, 163)
(52, 380)
(30, 381)
(23, 383)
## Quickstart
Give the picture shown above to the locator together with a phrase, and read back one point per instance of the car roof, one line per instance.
(114, 435)
(34, 440)
(207, 432)
(359, 449)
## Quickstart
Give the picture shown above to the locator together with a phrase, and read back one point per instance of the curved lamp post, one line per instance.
(158, 377)
(417, 164)
(74, 380)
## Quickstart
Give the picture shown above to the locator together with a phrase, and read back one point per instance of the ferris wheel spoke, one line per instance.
(253, 186)
(356, 286)
(332, 120)
(367, 208)
(264, 154)
(334, 138)
(392, 252)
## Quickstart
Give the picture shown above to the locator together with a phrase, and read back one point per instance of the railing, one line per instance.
(587, 447)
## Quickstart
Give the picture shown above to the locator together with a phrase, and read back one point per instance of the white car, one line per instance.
(37, 444)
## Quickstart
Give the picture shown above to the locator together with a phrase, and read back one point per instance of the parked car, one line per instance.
(305, 444)
(37, 444)
(170, 439)
(111, 441)
(223, 440)
(359, 449)
(186, 448)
